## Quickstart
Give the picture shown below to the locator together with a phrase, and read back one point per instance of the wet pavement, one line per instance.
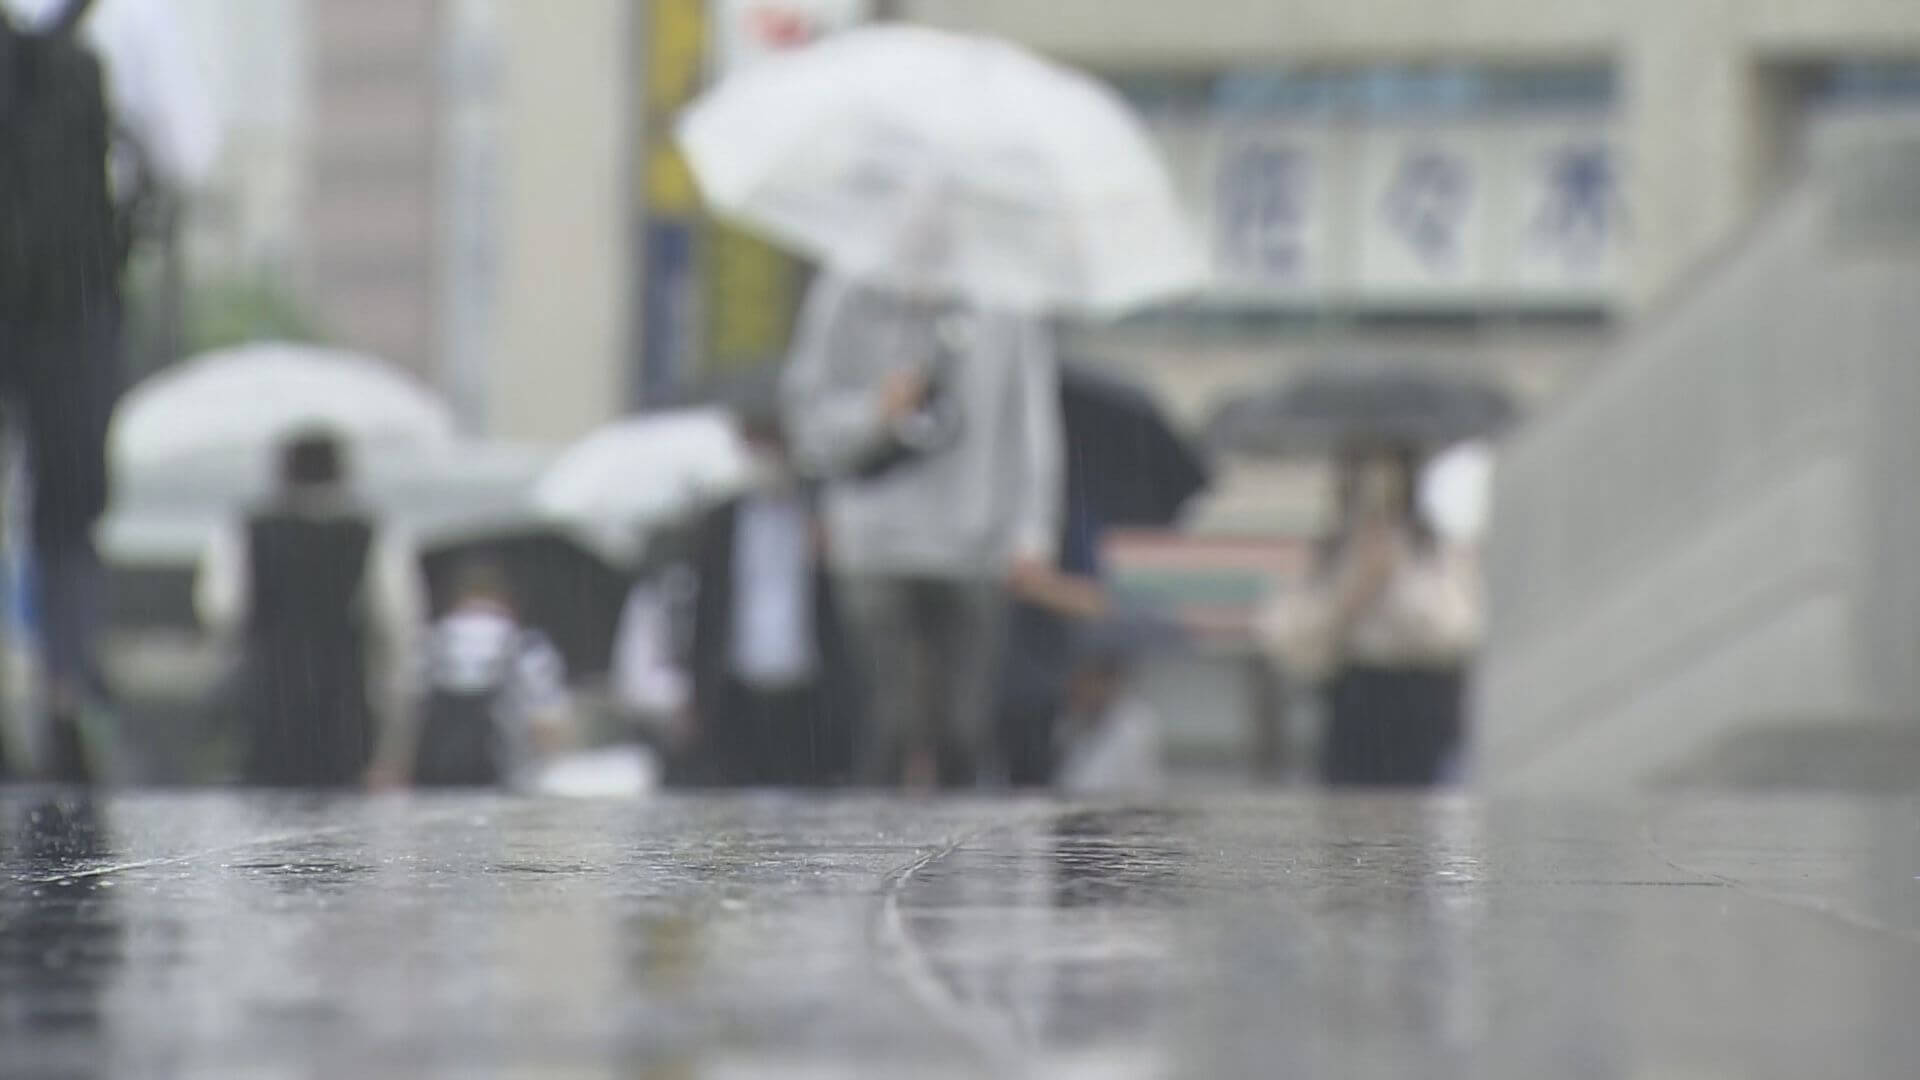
(227, 935)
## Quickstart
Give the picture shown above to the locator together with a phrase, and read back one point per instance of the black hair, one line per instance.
(312, 458)
(482, 578)
(1410, 459)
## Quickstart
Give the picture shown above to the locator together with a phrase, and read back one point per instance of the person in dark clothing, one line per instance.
(773, 695)
(61, 251)
(1049, 612)
(325, 605)
(1127, 466)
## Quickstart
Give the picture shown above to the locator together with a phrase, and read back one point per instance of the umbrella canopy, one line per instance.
(1324, 411)
(950, 163)
(562, 588)
(164, 514)
(242, 402)
(632, 477)
(1124, 456)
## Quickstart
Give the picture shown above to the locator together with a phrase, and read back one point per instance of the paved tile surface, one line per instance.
(230, 935)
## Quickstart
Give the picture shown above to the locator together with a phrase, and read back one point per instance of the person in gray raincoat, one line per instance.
(937, 422)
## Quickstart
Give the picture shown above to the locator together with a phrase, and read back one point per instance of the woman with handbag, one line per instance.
(1384, 628)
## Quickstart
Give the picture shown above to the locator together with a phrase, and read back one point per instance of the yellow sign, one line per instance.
(746, 289)
(670, 185)
(676, 51)
(750, 300)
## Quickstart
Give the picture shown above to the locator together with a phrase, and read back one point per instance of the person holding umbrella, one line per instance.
(1386, 624)
(959, 191)
(327, 608)
(940, 421)
(98, 110)
(1385, 627)
(1127, 467)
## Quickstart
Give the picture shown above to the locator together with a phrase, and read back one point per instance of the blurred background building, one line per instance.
(486, 192)
(1496, 183)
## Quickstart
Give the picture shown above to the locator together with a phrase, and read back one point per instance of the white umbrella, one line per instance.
(941, 161)
(242, 402)
(154, 77)
(164, 512)
(628, 478)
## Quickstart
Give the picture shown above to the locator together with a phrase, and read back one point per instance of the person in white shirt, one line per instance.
(496, 694)
(770, 683)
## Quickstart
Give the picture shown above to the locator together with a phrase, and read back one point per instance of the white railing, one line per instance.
(1717, 533)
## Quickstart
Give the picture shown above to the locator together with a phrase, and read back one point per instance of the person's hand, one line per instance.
(1039, 582)
(1029, 577)
(1368, 567)
(902, 395)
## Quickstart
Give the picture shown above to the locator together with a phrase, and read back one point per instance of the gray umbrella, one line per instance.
(1326, 410)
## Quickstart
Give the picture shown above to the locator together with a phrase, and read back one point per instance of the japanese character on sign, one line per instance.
(1428, 203)
(1580, 209)
(1263, 194)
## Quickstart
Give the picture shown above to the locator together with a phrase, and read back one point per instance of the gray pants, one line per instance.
(929, 651)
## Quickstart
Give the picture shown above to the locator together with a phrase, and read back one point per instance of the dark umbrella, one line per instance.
(751, 391)
(560, 588)
(1324, 411)
(1123, 455)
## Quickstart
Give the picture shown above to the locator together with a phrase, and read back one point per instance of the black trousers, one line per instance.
(63, 378)
(790, 737)
(459, 742)
(1392, 727)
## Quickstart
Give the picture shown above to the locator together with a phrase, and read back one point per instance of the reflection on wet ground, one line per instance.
(1257, 936)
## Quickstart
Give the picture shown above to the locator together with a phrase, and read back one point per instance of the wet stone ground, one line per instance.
(235, 935)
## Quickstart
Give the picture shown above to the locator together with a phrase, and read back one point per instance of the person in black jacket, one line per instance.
(60, 322)
(773, 696)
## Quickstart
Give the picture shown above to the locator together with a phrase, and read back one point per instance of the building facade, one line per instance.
(1706, 107)
(371, 249)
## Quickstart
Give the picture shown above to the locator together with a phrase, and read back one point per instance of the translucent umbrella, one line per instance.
(627, 479)
(242, 402)
(944, 162)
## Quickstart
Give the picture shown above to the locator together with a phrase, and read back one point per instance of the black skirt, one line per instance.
(306, 716)
(1392, 727)
(459, 743)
